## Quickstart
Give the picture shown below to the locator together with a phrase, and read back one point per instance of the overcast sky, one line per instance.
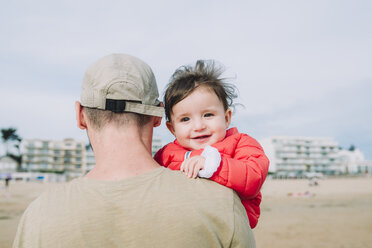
(302, 68)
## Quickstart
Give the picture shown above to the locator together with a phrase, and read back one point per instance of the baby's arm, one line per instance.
(171, 156)
(176, 157)
(203, 165)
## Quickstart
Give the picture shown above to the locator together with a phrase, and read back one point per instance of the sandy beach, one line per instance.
(336, 213)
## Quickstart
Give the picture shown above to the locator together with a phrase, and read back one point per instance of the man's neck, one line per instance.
(120, 155)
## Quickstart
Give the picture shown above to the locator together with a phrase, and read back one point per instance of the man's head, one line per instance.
(119, 88)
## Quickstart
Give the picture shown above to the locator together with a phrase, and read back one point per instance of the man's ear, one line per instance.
(228, 114)
(80, 117)
(170, 127)
(157, 121)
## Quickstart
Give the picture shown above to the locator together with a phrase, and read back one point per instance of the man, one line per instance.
(127, 199)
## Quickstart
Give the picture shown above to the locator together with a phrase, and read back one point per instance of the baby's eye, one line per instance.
(208, 115)
(185, 119)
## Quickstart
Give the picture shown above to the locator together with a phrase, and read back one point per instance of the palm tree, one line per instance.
(12, 140)
(352, 148)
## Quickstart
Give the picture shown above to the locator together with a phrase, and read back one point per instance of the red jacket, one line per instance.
(243, 167)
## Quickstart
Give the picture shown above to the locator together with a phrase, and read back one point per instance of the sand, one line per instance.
(336, 213)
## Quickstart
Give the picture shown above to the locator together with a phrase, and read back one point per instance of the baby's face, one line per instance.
(199, 119)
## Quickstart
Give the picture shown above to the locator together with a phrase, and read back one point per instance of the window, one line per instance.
(44, 159)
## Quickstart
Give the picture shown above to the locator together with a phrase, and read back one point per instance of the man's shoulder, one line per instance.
(53, 197)
(62, 194)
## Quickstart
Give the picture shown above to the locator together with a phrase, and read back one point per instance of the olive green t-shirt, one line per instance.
(161, 208)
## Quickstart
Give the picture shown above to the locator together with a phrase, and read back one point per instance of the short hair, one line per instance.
(205, 73)
(98, 118)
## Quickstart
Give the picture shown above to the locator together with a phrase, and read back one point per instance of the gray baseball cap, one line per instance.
(121, 83)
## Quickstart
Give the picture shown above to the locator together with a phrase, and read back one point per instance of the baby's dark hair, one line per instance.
(205, 73)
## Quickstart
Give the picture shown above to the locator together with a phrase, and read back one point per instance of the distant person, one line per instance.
(197, 107)
(127, 199)
(7, 179)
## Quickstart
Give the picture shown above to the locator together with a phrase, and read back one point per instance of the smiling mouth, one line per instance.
(202, 137)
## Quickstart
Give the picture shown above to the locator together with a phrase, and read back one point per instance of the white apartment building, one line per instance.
(67, 157)
(298, 155)
(354, 162)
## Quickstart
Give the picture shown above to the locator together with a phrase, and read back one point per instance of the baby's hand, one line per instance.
(191, 166)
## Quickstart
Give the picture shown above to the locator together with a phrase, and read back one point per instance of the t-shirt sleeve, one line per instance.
(27, 231)
(17, 239)
(243, 234)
